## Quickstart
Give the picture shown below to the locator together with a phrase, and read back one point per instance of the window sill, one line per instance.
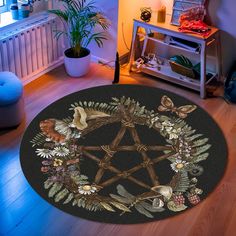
(6, 19)
(7, 24)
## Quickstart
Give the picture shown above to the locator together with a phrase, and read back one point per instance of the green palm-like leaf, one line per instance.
(80, 19)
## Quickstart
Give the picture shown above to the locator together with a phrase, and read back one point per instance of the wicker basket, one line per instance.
(189, 72)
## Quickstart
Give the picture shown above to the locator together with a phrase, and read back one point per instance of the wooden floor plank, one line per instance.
(23, 212)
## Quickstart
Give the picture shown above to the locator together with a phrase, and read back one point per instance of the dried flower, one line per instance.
(87, 189)
(45, 153)
(57, 162)
(61, 151)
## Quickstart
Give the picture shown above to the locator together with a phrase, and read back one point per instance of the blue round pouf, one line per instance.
(11, 100)
(11, 88)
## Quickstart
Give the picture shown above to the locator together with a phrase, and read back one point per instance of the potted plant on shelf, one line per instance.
(80, 18)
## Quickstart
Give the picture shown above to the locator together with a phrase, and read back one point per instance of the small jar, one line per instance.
(24, 11)
(161, 15)
(14, 12)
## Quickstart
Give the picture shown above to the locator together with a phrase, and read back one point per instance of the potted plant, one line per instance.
(80, 18)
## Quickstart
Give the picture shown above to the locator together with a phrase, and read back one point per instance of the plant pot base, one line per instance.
(77, 67)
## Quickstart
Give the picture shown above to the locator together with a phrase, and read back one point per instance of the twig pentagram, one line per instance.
(104, 164)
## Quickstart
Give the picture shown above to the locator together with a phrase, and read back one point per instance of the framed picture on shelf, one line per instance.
(182, 6)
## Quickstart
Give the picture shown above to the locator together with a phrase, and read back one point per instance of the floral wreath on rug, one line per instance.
(58, 145)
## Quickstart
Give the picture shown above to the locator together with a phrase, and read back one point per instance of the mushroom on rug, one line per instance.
(123, 154)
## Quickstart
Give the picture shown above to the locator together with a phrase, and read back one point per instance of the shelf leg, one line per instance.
(203, 71)
(218, 57)
(145, 43)
(131, 57)
(144, 47)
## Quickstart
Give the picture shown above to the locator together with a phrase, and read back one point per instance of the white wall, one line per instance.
(110, 9)
(128, 10)
(108, 52)
(40, 6)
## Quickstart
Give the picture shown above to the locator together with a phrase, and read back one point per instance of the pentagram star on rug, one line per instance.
(105, 163)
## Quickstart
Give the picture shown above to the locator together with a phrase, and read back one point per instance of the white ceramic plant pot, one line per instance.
(77, 67)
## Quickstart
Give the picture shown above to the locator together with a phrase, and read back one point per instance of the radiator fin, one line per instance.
(31, 50)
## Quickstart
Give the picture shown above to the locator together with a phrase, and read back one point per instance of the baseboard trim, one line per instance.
(102, 61)
(124, 58)
(44, 70)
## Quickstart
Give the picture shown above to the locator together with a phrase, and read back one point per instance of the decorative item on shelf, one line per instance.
(14, 9)
(139, 62)
(31, 5)
(152, 60)
(182, 65)
(195, 13)
(184, 6)
(14, 12)
(161, 15)
(24, 10)
(160, 36)
(195, 27)
(146, 14)
(191, 21)
(81, 17)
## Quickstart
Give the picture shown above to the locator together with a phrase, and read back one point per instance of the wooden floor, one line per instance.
(23, 212)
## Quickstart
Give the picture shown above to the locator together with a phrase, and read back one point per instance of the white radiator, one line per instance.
(30, 49)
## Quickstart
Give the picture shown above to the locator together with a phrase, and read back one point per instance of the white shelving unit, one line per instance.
(164, 71)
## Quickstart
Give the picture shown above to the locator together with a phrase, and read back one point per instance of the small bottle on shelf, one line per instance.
(161, 15)
(14, 9)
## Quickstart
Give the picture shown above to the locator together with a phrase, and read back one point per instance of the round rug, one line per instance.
(123, 154)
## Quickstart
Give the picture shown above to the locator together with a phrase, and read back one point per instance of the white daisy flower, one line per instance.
(61, 151)
(178, 165)
(169, 129)
(87, 189)
(45, 153)
(166, 125)
(174, 133)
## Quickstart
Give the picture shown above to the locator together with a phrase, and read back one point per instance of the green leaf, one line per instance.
(38, 140)
(183, 182)
(200, 158)
(48, 183)
(81, 18)
(62, 194)
(194, 137)
(74, 202)
(54, 189)
(69, 198)
(81, 202)
(201, 149)
(200, 142)
(107, 206)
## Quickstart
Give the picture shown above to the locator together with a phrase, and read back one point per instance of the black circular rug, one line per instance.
(123, 154)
